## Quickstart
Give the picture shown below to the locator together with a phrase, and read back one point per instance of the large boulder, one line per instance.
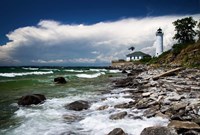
(127, 82)
(60, 80)
(31, 99)
(117, 131)
(77, 105)
(158, 130)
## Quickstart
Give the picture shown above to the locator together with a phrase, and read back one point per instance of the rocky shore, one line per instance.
(174, 96)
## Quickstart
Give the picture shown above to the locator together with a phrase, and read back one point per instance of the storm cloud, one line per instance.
(56, 43)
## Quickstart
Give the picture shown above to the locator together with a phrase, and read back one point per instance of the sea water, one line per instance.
(90, 84)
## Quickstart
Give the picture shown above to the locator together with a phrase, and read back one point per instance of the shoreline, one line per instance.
(128, 102)
(174, 97)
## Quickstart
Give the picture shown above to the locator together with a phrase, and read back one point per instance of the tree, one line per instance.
(185, 32)
(131, 48)
(198, 31)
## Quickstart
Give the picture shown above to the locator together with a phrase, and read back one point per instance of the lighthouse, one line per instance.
(159, 42)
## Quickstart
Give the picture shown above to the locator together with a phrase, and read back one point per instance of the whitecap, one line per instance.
(30, 68)
(115, 71)
(98, 70)
(90, 75)
(23, 74)
(72, 70)
(51, 69)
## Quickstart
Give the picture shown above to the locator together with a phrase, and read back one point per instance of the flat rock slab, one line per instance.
(183, 125)
(178, 106)
(158, 130)
(146, 94)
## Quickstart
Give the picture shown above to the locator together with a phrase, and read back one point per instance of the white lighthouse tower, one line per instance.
(159, 42)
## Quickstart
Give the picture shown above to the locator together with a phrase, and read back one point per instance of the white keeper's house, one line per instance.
(136, 56)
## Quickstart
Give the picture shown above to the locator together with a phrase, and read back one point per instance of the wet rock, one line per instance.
(191, 132)
(124, 71)
(103, 107)
(135, 117)
(181, 82)
(193, 94)
(146, 94)
(183, 125)
(158, 130)
(123, 105)
(142, 104)
(60, 80)
(117, 131)
(178, 105)
(126, 105)
(176, 98)
(117, 116)
(176, 117)
(153, 103)
(196, 120)
(195, 88)
(187, 118)
(110, 75)
(159, 114)
(77, 105)
(71, 118)
(153, 83)
(127, 82)
(163, 109)
(165, 102)
(150, 112)
(31, 99)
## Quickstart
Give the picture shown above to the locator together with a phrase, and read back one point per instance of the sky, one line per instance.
(85, 32)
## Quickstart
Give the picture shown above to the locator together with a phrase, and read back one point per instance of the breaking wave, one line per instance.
(23, 74)
(90, 75)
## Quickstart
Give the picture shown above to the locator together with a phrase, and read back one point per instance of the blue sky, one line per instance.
(84, 32)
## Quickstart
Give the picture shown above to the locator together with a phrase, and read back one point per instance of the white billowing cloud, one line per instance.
(51, 42)
(79, 60)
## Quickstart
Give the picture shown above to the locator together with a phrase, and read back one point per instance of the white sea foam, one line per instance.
(100, 124)
(23, 74)
(90, 75)
(47, 118)
(50, 69)
(98, 70)
(30, 68)
(72, 70)
(115, 71)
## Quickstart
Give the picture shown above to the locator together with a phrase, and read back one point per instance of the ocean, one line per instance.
(52, 118)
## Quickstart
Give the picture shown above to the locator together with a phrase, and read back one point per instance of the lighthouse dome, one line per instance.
(159, 32)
